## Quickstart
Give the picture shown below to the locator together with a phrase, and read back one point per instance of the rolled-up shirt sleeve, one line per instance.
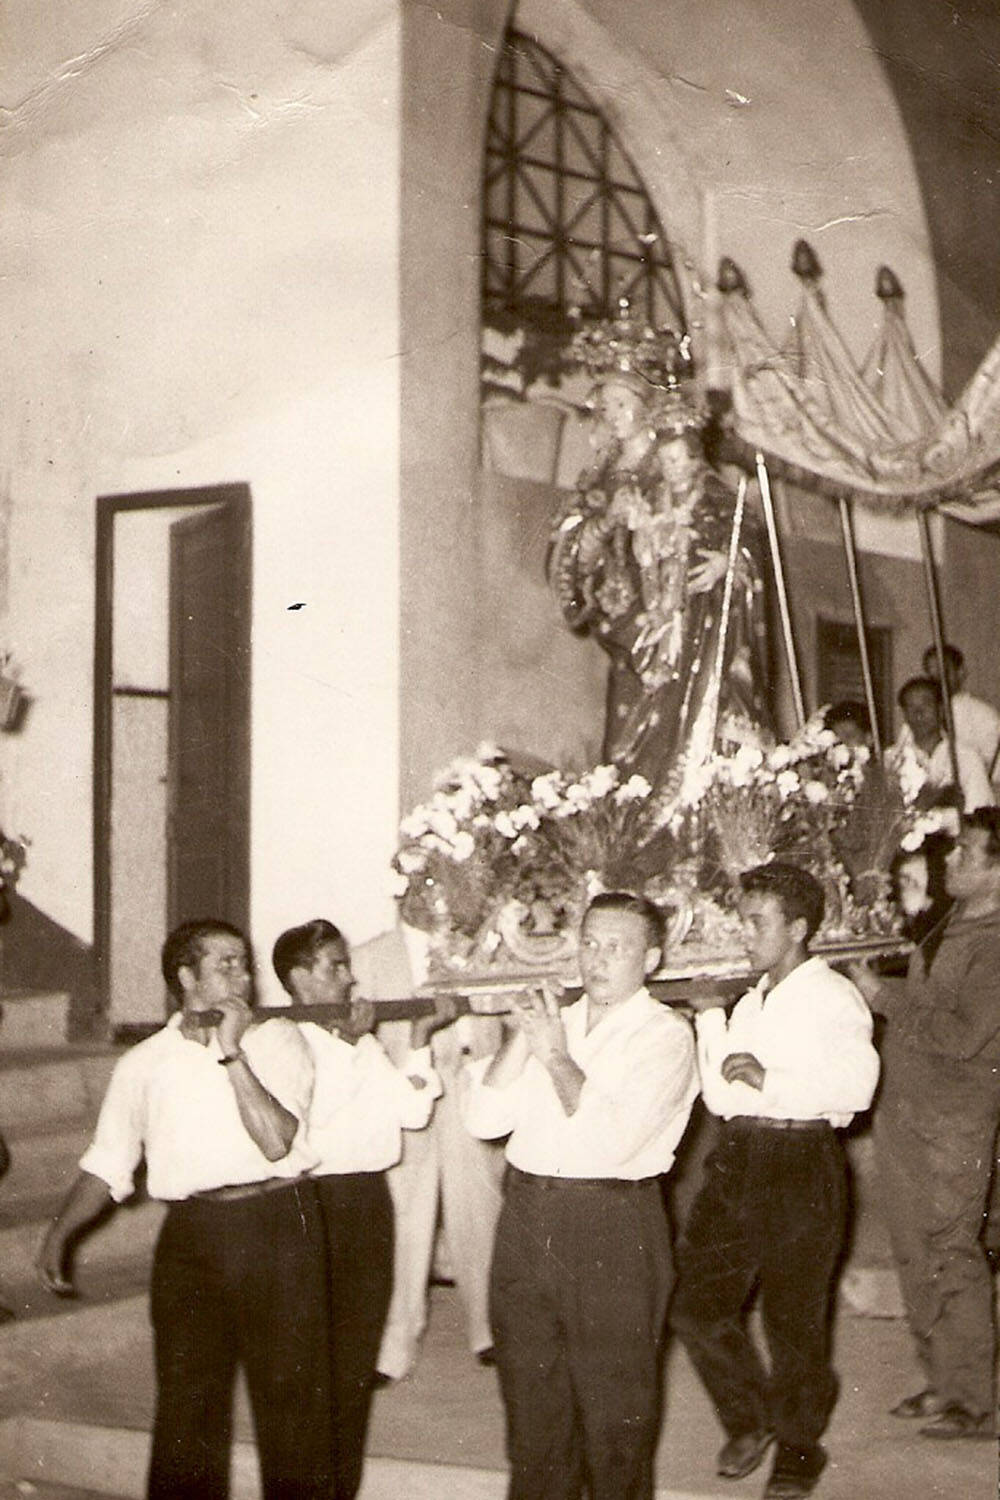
(713, 1047)
(488, 1112)
(118, 1142)
(413, 1102)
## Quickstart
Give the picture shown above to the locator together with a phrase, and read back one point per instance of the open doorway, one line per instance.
(171, 730)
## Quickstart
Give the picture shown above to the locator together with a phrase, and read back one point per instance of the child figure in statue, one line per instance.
(653, 558)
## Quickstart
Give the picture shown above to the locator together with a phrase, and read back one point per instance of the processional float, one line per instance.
(878, 435)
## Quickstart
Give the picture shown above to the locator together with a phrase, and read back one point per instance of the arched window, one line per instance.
(567, 222)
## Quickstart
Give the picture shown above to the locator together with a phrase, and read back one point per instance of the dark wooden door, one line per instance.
(208, 825)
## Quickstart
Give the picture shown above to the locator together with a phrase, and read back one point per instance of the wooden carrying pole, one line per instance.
(764, 483)
(851, 555)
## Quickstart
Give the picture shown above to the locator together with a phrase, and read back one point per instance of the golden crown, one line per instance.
(658, 359)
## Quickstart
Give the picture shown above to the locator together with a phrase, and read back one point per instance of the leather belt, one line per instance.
(761, 1122)
(549, 1184)
(237, 1190)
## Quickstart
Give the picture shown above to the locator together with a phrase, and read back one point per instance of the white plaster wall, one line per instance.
(201, 285)
(200, 238)
(754, 126)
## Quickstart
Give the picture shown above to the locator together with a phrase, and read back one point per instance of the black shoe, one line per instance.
(487, 1357)
(957, 1422)
(795, 1472)
(923, 1404)
(742, 1454)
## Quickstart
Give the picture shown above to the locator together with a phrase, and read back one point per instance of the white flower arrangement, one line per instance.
(924, 824)
(494, 846)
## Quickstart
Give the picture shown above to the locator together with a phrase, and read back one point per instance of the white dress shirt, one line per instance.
(362, 1102)
(974, 781)
(170, 1100)
(978, 724)
(812, 1035)
(641, 1081)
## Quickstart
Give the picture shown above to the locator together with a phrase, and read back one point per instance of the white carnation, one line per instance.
(463, 847)
(545, 790)
(635, 789)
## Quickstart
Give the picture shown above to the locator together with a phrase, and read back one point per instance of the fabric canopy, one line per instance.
(880, 432)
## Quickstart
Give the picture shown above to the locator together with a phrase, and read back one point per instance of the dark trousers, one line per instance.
(241, 1283)
(357, 1214)
(933, 1150)
(580, 1280)
(771, 1213)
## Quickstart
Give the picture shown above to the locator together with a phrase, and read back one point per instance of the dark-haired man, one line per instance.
(935, 1125)
(792, 1064)
(238, 1277)
(850, 722)
(595, 1100)
(361, 1104)
(924, 735)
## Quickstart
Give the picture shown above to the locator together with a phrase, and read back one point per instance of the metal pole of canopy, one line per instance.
(851, 555)
(727, 605)
(767, 501)
(934, 603)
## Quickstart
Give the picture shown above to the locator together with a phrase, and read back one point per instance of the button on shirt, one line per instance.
(812, 1035)
(170, 1100)
(641, 1081)
(362, 1102)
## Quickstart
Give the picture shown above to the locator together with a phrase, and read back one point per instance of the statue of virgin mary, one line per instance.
(659, 561)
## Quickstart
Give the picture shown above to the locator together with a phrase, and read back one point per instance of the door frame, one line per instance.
(237, 498)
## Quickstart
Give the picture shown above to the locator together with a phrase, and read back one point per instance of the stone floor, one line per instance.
(440, 1433)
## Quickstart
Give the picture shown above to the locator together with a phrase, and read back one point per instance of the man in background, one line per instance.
(923, 734)
(977, 723)
(443, 1172)
(934, 1129)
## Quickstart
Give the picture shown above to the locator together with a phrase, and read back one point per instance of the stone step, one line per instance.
(125, 1238)
(34, 1019)
(43, 1164)
(40, 1087)
(23, 1488)
(113, 1460)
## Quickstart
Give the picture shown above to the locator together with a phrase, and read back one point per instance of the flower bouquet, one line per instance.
(499, 864)
(788, 801)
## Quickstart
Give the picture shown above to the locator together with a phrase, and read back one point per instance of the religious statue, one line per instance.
(658, 560)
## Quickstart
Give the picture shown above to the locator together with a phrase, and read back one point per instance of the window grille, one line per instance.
(567, 222)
